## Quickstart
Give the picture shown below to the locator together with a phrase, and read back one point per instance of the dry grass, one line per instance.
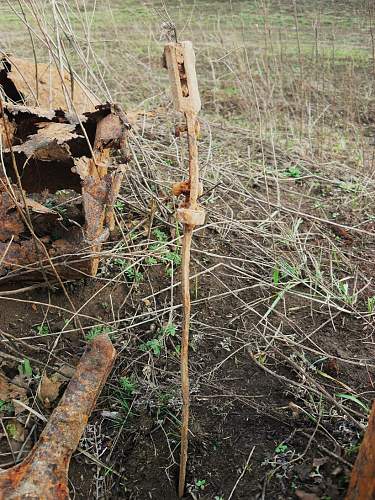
(288, 166)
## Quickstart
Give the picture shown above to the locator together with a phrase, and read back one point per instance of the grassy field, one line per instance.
(282, 340)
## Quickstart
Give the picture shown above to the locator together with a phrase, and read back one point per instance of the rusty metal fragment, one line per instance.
(362, 481)
(58, 166)
(43, 85)
(44, 472)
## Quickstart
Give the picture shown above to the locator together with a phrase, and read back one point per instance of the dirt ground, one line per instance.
(246, 424)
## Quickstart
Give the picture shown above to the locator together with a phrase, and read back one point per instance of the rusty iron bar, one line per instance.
(362, 481)
(180, 62)
(44, 472)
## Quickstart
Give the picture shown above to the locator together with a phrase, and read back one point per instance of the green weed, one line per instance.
(97, 330)
(11, 430)
(151, 261)
(156, 344)
(160, 235)
(129, 270)
(354, 399)
(42, 329)
(345, 295)
(281, 448)
(128, 385)
(200, 484)
(352, 450)
(120, 206)
(276, 276)
(293, 172)
(25, 369)
(5, 406)
(125, 394)
(371, 304)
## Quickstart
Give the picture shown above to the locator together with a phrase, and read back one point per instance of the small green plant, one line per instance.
(230, 91)
(350, 187)
(281, 448)
(293, 172)
(131, 273)
(128, 385)
(352, 449)
(343, 288)
(25, 369)
(170, 329)
(160, 235)
(276, 276)
(125, 394)
(134, 275)
(200, 484)
(42, 329)
(11, 430)
(354, 399)
(371, 304)
(174, 257)
(262, 358)
(154, 345)
(5, 406)
(163, 253)
(54, 206)
(97, 330)
(120, 205)
(151, 261)
(121, 263)
(284, 272)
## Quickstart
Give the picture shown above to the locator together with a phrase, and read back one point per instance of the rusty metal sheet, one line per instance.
(53, 152)
(50, 142)
(43, 85)
(44, 472)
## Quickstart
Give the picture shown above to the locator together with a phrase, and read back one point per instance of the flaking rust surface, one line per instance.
(44, 472)
(55, 151)
(362, 481)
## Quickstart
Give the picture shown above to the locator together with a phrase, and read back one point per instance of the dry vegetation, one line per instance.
(282, 346)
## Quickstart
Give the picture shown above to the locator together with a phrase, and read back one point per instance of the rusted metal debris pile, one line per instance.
(62, 160)
(58, 177)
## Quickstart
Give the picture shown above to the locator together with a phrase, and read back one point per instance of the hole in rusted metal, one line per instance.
(10, 90)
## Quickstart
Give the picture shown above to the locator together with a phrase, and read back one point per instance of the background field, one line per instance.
(282, 346)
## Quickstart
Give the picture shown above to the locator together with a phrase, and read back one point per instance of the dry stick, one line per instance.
(246, 466)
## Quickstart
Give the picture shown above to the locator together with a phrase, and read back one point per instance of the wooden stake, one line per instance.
(180, 62)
